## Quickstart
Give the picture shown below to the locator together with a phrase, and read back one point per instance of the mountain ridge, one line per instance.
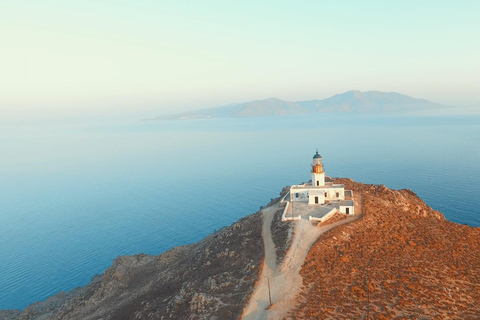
(352, 101)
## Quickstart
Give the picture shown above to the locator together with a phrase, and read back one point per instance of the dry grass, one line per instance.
(403, 260)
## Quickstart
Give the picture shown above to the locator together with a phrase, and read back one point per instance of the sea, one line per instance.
(77, 193)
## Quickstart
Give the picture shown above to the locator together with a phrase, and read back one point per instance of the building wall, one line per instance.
(302, 195)
(324, 194)
(320, 177)
(343, 209)
(316, 193)
(325, 217)
(285, 217)
(331, 194)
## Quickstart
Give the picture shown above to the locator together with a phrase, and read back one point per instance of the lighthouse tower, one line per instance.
(318, 172)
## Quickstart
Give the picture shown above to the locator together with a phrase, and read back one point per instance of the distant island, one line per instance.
(374, 102)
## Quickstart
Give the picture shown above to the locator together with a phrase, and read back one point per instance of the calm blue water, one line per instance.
(76, 195)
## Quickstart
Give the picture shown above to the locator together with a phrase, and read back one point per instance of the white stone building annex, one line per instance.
(318, 200)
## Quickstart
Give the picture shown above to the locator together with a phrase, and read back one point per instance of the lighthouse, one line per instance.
(318, 172)
(318, 200)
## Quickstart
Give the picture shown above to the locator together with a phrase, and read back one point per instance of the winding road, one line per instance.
(285, 280)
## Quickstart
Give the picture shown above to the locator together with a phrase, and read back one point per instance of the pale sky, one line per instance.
(163, 57)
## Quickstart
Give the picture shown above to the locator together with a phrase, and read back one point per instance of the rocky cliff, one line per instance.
(400, 260)
(208, 280)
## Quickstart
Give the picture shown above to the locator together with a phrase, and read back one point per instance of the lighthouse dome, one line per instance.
(317, 156)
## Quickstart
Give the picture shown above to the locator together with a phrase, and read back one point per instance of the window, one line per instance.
(348, 210)
(338, 194)
(316, 199)
(326, 195)
(318, 183)
(296, 195)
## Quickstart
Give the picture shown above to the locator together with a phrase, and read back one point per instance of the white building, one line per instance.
(320, 193)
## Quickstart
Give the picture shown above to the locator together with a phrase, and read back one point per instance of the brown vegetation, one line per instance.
(402, 260)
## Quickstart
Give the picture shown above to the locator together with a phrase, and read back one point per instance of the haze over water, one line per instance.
(76, 195)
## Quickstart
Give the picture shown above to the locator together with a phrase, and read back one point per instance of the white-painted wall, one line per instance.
(302, 195)
(320, 177)
(325, 217)
(325, 193)
(331, 193)
(316, 193)
(343, 209)
(285, 217)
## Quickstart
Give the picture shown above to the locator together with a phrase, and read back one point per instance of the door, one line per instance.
(348, 210)
(316, 199)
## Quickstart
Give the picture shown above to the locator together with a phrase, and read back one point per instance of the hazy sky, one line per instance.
(167, 56)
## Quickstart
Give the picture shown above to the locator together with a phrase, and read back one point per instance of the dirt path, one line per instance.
(285, 281)
(259, 300)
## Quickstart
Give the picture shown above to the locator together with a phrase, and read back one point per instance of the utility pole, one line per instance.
(269, 294)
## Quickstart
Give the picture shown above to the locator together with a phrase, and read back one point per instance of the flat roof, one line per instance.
(309, 186)
(347, 203)
(305, 210)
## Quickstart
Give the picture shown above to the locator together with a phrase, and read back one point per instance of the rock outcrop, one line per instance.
(211, 279)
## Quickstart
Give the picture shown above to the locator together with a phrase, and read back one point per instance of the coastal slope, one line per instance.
(402, 260)
(398, 259)
(211, 279)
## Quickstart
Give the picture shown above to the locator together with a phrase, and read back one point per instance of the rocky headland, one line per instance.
(402, 260)
(398, 259)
